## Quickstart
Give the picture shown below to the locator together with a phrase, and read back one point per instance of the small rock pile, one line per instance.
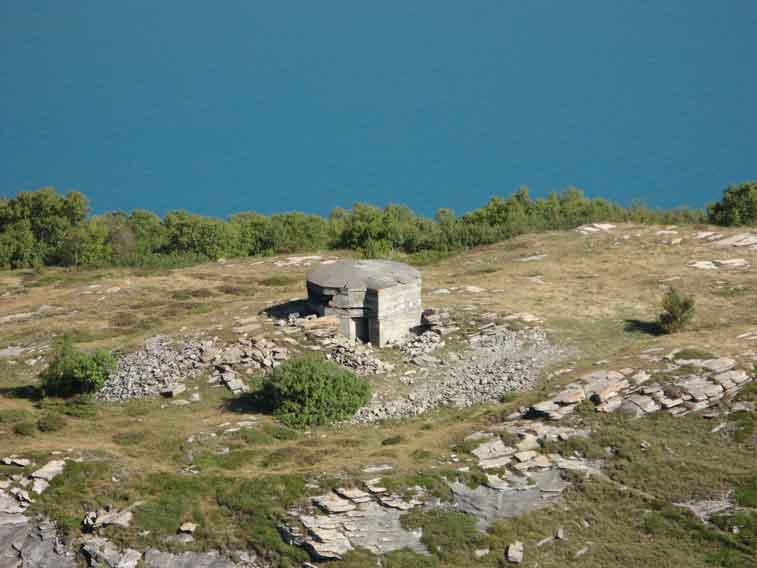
(422, 344)
(246, 354)
(159, 365)
(355, 356)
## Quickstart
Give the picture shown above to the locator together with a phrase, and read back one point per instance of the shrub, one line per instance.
(25, 429)
(51, 422)
(311, 391)
(677, 311)
(738, 206)
(73, 372)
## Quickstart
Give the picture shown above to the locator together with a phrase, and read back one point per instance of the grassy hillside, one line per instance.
(598, 295)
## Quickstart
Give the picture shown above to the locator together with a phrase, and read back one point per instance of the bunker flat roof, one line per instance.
(362, 274)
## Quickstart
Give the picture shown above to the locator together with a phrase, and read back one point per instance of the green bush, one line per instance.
(51, 422)
(73, 372)
(738, 206)
(311, 391)
(677, 311)
(25, 429)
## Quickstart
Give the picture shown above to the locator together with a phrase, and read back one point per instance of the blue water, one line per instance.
(219, 107)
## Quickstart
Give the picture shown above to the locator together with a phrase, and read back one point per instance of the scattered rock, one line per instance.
(515, 552)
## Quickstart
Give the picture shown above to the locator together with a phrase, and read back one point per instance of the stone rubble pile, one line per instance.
(246, 355)
(356, 356)
(422, 344)
(163, 365)
(155, 368)
(634, 392)
(499, 360)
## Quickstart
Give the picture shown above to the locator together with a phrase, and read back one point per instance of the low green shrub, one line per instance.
(677, 311)
(25, 428)
(51, 422)
(73, 372)
(13, 416)
(311, 391)
(693, 353)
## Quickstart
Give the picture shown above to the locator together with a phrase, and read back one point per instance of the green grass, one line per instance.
(51, 422)
(276, 281)
(693, 353)
(14, 416)
(129, 438)
(449, 535)
(744, 422)
(25, 429)
(80, 488)
(233, 290)
(235, 459)
(200, 293)
(746, 493)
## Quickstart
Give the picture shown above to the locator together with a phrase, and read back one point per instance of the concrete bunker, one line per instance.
(377, 301)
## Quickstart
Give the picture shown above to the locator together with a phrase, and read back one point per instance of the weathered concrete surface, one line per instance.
(376, 300)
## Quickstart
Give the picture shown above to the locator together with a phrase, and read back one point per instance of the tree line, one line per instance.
(45, 228)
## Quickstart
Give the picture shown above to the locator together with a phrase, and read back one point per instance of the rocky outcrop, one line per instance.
(635, 393)
(349, 518)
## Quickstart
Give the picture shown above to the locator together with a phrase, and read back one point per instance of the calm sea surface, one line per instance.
(222, 107)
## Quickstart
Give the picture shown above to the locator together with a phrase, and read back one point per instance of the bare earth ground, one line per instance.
(597, 296)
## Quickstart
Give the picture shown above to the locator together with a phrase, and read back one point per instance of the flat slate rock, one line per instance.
(489, 505)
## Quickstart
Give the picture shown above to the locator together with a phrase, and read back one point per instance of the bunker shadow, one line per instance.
(286, 309)
(641, 326)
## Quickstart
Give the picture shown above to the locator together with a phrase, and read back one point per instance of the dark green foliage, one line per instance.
(44, 228)
(25, 428)
(51, 422)
(392, 440)
(311, 391)
(34, 226)
(677, 311)
(73, 372)
(738, 206)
